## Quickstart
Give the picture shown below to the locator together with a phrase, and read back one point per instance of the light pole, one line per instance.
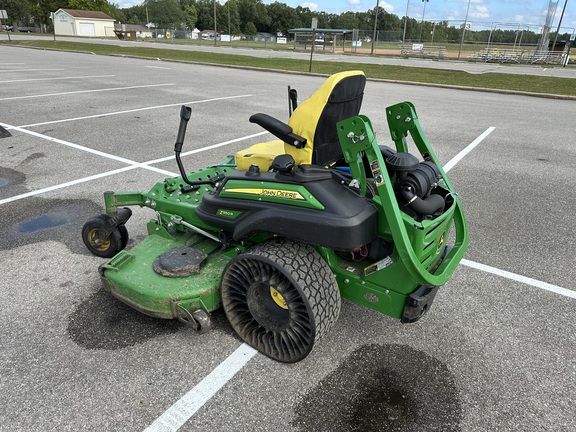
(375, 24)
(559, 24)
(422, 22)
(405, 21)
(214, 22)
(433, 30)
(464, 30)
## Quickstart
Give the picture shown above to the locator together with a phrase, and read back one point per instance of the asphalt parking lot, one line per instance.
(495, 353)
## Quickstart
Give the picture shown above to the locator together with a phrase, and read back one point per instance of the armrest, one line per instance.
(278, 129)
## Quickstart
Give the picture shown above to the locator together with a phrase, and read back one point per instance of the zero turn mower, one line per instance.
(278, 234)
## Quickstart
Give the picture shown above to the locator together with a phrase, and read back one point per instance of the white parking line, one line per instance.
(29, 70)
(58, 78)
(468, 149)
(179, 413)
(86, 91)
(519, 278)
(134, 110)
(75, 146)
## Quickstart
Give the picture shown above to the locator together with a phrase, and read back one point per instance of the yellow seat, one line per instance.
(339, 98)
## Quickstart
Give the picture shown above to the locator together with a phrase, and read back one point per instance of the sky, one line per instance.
(482, 13)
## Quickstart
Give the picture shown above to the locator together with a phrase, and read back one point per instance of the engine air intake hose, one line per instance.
(432, 205)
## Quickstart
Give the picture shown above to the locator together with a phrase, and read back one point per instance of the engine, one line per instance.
(414, 184)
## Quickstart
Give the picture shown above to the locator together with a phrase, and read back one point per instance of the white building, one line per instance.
(71, 22)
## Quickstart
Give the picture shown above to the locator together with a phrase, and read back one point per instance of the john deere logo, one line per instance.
(441, 241)
(274, 193)
(278, 193)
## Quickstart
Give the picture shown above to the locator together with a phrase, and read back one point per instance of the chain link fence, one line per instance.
(496, 42)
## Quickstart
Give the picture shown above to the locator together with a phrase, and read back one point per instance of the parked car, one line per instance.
(7, 28)
(25, 29)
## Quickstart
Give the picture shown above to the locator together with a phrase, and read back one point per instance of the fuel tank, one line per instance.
(311, 204)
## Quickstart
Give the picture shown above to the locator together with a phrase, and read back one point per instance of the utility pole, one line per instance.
(559, 24)
(464, 30)
(215, 23)
(405, 21)
(375, 24)
(422, 22)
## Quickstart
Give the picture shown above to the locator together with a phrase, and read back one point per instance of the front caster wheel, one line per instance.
(110, 246)
(280, 297)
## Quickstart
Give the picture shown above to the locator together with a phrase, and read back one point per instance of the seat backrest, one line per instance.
(339, 98)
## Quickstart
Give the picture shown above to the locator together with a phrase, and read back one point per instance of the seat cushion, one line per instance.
(261, 154)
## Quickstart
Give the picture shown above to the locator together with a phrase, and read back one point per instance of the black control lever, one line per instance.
(185, 113)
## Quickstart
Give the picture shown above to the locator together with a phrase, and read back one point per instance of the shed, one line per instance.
(72, 22)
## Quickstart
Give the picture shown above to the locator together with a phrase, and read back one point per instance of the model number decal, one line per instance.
(377, 266)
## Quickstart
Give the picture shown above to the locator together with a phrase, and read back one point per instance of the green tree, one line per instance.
(205, 11)
(231, 6)
(190, 16)
(135, 14)
(165, 13)
(250, 29)
(306, 15)
(348, 20)
(282, 18)
(253, 11)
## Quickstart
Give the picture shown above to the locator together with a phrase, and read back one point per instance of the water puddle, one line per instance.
(46, 221)
(4, 182)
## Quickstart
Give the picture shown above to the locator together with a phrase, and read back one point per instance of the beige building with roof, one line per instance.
(71, 22)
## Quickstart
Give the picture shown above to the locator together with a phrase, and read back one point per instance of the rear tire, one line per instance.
(281, 298)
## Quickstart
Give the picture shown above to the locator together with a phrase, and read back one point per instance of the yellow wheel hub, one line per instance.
(105, 244)
(277, 297)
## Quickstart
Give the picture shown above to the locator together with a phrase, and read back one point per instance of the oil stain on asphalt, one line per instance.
(103, 322)
(383, 388)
